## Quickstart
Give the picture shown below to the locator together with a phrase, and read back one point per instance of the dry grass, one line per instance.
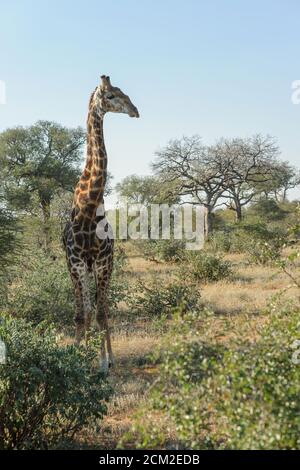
(238, 306)
(130, 379)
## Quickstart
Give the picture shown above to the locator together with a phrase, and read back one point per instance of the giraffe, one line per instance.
(86, 252)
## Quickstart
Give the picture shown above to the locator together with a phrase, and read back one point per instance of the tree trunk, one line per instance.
(45, 204)
(284, 195)
(238, 210)
(208, 222)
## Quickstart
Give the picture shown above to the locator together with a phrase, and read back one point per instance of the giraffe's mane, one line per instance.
(92, 96)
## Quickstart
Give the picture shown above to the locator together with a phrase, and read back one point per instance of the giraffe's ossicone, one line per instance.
(86, 253)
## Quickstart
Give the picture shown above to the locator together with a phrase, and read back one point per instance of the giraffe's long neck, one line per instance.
(89, 192)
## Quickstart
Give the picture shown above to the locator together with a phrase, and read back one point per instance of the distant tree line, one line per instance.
(231, 173)
(41, 164)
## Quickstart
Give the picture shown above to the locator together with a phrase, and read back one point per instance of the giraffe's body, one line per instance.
(86, 253)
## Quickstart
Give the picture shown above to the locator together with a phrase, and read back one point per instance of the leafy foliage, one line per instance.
(47, 392)
(8, 237)
(157, 300)
(246, 397)
(40, 162)
(206, 267)
(162, 250)
(268, 210)
(258, 387)
(40, 159)
(260, 241)
(42, 291)
(145, 190)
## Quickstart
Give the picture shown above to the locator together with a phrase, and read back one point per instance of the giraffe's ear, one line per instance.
(105, 82)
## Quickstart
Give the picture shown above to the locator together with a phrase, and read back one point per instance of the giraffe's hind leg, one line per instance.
(102, 274)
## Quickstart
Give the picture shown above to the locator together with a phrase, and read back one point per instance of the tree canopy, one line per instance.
(38, 163)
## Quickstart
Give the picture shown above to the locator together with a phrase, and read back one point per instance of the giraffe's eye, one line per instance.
(110, 97)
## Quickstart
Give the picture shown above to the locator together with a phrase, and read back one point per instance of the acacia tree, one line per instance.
(247, 166)
(146, 190)
(285, 177)
(40, 162)
(137, 189)
(188, 165)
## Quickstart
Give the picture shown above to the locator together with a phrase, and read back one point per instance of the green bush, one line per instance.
(180, 394)
(162, 250)
(259, 388)
(42, 290)
(261, 242)
(264, 242)
(261, 252)
(9, 244)
(157, 300)
(47, 392)
(221, 241)
(247, 397)
(206, 267)
(187, 364)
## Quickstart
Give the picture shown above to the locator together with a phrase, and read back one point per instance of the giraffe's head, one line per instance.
(110, 98)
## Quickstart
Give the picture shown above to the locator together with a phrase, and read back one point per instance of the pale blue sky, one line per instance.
(217, 68)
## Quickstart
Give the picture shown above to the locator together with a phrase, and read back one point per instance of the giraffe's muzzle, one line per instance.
(134, 113)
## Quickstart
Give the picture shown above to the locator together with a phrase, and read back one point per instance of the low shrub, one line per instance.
(48, 392)
(206, 267)
(179, 396)
(258, 388)
(261, 242)
(162, 250)
(262, 252)
(157, 300)
(245, 397)
(221, 241)
(42, 290)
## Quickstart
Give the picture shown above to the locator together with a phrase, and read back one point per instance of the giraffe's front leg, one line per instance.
(79, 315)
(102, 324)
(83, 311)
